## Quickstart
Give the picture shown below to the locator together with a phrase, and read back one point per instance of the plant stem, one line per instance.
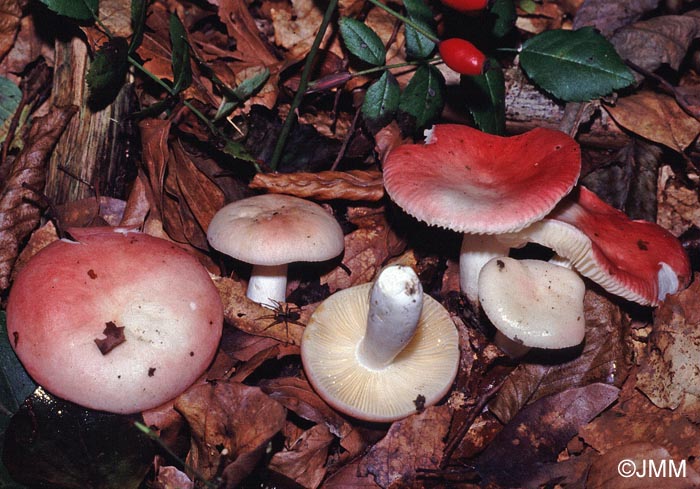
(303, 83)
(407, 21)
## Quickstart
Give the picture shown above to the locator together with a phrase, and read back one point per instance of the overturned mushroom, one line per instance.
(481, 185)
(117, 321)
(637, 260)
(379, 351)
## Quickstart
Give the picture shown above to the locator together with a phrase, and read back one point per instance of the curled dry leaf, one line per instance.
(325, 185)
(19, 206)
(670, 376)
(413, 443)
(656, 117)
(660, 40)
(10, 15)
(231, 424)
(366, 249)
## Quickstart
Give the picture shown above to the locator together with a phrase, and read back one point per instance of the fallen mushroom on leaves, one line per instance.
(383, 350)
(116, 321)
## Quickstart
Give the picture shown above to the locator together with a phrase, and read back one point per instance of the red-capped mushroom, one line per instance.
(637, 260)
(481, 185)
(117, 321)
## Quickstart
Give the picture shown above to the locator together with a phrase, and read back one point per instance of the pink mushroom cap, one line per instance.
(469, 181)
(73, 293)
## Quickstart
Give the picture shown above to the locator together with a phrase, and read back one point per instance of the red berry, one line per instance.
(462, 56)
(466, 6)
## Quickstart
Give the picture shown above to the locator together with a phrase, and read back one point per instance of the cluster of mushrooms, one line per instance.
(121, 305)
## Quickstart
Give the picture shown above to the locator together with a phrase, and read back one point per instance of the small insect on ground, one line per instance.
(283, 312)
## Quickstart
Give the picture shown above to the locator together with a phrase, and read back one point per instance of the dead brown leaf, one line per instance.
(608, 16)
(670, 374)
(678, 204)
(10, 15)
(304, 458)
(155, 49)
(635, 419)
(20, 207)
(325, 185)
(659, 40)
(231, 424)
(29, 45)
(547, 16)
(639, 463)
(656, 117)
(170, 477)
(115, 15)
(366, 249)
(536, 435)
(413, 443)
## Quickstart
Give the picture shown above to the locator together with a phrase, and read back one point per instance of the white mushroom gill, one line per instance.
(668, 281)
(395, 305)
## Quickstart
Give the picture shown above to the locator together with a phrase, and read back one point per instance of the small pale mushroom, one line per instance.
(637, 260)
(270, 231)
(117, 321)
(532, 303)
(481, 185)
(380, 352)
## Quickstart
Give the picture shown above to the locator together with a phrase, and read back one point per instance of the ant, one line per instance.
(285, 313)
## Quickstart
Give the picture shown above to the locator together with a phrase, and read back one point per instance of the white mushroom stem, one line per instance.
(396, 302)
(268, 285)
(477, 249)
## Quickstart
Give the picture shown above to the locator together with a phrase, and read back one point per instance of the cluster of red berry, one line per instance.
(459, 54)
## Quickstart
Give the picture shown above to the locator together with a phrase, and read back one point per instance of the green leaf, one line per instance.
(381, 101)
(107, 72)
(419, 46)
(362, 41)
(75, 9)
(486, 99)
(502, 16)
(15, 387)
(423, 96)
(574, 65)
(139, 8)
(182, 70)
(10, 96)
(232, 98)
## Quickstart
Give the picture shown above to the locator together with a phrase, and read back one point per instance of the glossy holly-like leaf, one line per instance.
(10, 96)
(574, 65)
(107, 71)
(381, 101)
(486, 99)
(418, 46)
(423, 96)
(75, 9)
(182, 70)
(362, 41)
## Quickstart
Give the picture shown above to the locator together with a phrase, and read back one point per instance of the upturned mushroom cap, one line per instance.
(533, 303)
(118, 321)
(425, 367)
(637, 260)
(473, 182)
(275, 229)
